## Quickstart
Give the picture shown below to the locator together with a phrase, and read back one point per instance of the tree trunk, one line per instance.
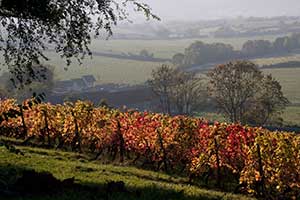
(261, 173)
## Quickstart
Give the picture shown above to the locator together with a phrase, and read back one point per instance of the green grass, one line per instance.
(148, 184)
(289, 80)
(105, 70)
(278, 59)
(291, 115)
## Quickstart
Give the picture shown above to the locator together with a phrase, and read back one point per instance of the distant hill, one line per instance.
(235, 27)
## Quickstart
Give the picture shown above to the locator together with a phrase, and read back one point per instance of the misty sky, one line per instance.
(212, 9)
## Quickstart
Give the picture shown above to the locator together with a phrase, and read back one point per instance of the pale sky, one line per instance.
(215, 9)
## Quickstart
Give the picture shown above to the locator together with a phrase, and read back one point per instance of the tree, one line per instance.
(3, 93)
(279, 44)
(146, 54)
(267, 105)
(179, 92)
(256, 48)
(292, 42)
(162, 82)
(193, 54)
(31, 26)
(178, 59)
(244, 94)
(43, 84)
(188, 93)
(200, 53)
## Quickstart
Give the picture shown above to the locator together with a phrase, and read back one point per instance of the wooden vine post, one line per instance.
(161, 144)
(122, 142)
(261, 172)
(77, 139)
(24, 127)
(47, 132)
(218, 183)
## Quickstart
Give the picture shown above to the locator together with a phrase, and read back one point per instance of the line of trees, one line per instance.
(201, 53)
(241, 91)
(178, 91)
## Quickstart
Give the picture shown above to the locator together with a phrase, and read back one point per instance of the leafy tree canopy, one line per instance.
(28, 27)
(246, 95)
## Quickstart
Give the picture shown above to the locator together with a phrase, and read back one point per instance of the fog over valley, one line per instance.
(214, 9)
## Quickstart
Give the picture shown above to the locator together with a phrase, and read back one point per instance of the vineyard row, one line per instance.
(260, 161)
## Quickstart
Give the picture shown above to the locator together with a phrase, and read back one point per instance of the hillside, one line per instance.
(230, 157)
(139, 184)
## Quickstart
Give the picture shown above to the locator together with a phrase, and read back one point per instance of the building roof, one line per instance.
(82, 82)
(64, 84)
(79, 82)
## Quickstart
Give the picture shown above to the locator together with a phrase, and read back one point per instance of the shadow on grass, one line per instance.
(18, 183)
(171, 179)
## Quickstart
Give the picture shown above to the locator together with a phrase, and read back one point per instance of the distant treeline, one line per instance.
(143, 55)
(199, 53)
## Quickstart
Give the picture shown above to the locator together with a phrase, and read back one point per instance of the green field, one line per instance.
(108, 70)
(275, 60)
(130, 71)
(166, 48)
(105, 69)
(290, 82)
(139, 184)
(134, 72)
(291, 115)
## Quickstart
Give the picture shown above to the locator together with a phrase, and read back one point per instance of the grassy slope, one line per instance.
(291, 115)
(149, 185)
(290, 81)
(277, 59)
(106, 70)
